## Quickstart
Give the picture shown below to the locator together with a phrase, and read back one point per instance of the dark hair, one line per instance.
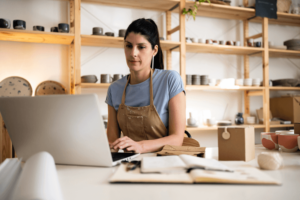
(149, 30)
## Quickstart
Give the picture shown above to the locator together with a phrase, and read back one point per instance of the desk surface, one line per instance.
(88, 183)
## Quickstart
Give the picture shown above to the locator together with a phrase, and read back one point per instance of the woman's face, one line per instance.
(138, 52)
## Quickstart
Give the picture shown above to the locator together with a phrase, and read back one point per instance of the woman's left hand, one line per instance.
(127, 144)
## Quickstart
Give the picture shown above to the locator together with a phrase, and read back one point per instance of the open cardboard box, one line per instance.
(260, 115)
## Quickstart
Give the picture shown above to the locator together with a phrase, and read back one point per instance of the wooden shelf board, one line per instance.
(284, 53)
(213, 128)
(281, 125)
(221, 49)
(95, 85)
(240, 13)
(284, 88)
(13, 35)
(205, 87)
(162, 5)
(118, 42)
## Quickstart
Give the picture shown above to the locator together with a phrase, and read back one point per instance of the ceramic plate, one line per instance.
(15, 86)
(50, 87)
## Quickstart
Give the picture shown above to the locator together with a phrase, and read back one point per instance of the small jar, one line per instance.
(239, 119)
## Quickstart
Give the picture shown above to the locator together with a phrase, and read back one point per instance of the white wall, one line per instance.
(39, 62)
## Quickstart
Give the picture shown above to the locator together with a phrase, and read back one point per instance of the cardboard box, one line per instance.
(260, 116)
(239, 146)
(286, 108)
(297, 128)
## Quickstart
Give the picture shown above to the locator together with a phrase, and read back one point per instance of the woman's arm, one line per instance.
(113, 130)
(176, 130)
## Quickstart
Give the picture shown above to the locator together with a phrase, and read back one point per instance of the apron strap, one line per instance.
(151, 89)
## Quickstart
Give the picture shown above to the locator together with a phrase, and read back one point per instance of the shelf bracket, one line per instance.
(251, 18)
(174, 7)
(174, 47)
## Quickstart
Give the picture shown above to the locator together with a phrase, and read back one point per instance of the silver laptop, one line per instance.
(69, 127)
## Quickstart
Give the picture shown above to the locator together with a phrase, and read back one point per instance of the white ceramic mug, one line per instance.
(201, 40)
(195, 40)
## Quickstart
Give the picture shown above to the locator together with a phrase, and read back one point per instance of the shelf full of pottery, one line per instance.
(59, 34)
(90, 81)
(208, 122)
(196, 81)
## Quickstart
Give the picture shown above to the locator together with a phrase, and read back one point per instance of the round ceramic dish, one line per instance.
(15, 86)
(49, 87)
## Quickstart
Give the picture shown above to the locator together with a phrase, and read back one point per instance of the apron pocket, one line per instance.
(135, 128)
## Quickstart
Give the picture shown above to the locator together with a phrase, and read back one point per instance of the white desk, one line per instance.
(88, 183)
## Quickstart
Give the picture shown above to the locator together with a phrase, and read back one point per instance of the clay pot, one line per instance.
(269, 141)
(288, 143)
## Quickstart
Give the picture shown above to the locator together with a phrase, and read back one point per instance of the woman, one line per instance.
(148, 105)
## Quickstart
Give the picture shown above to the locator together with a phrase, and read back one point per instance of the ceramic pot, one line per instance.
(288, 143)
(97, 31)
(269, 141)
(110, 34)
(122, 32)
(239, 119)
(117, 77)
(38, 28)
(105, 78)
(192, 120)
(54, 29)
(63, 28)
(19, 24)
(5, 23)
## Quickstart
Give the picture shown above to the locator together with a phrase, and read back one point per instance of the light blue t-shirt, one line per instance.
(166, 85)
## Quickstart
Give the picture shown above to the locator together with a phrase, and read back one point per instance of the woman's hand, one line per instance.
(127, 144)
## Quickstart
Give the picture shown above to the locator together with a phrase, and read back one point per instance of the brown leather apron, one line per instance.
(141, 123)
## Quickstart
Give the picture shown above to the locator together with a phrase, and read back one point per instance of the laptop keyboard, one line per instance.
(119, 156)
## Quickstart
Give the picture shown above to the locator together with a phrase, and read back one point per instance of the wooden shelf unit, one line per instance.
(118, 42)
(13, 35)
(284, 53)
(214, 128)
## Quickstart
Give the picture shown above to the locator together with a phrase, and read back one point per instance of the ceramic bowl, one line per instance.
(248, 82)
(201, 40)
(63, 28)
(210, 122)
(38, 28)
(251, 120)
(269, 140)
(97, 31)
(110, 34)
(54, 29)
(288, 143)
(239, 82)
(19, 24)
(5, 23)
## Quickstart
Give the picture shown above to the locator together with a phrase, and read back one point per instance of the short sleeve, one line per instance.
(108, 99)
(175, 84)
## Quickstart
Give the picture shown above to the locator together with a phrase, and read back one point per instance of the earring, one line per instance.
(153, 62)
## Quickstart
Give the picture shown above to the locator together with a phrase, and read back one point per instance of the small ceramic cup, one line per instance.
(237, 43)
(63, 28)
(222, 42)
(38, 28)
(288, 143)
(248, 82)
(210, 122)
(250, 120)
(269, 140)
(105, 78)
(209, 41)
(110, 34)
(19, 24)
(230, 43)
(5, 23)
(54, 29)
(117, 77)
(97, 31)
(215, 42)
(122, 32)
(257, 44)
(201, 40)
(239, 82)
(195, 40)
(250, 43)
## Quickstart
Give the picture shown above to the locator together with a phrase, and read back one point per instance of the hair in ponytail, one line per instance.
(149, 30)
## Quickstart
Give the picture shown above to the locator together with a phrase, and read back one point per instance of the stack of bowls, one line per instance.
(248, 82)
(224, 123)
(196, 79)
(89, 79)
(204, 79)
(189, 79)
(256, 82)
(239, 82)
